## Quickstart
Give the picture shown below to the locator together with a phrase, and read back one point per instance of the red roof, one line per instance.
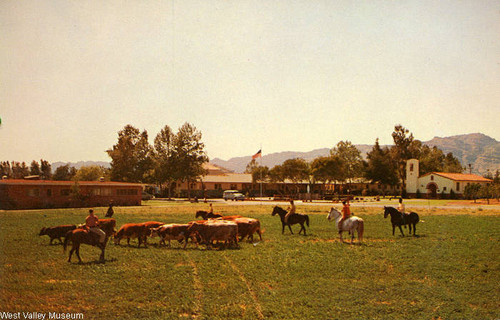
(460, 176)
(65, 183)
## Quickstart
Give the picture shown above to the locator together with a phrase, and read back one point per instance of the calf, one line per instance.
(132, 230)
(57, 232)
(170, 232)
(218, 230)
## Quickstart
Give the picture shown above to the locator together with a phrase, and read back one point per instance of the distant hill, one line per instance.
(481, 151)
(80, 164)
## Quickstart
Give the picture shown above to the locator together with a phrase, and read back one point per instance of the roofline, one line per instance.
(443, 174)
(67, 183)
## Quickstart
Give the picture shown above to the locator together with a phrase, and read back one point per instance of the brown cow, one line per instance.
(169, 232)
(132, 230)
(214, 230)
(57, 232)
(247, 227)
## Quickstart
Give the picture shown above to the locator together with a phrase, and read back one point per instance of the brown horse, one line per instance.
(79, 236)
(207, 215)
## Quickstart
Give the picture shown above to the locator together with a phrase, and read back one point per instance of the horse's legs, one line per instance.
(340, 235)
(289, 227)
(78, 254)
(103, 247)
(401, 229)
(71, 253)
(283, 228)
(414, 228)
(304, 228)
(393, 228)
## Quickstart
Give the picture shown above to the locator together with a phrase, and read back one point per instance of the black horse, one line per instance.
(398, 220)
(207, 215)
(293, 219)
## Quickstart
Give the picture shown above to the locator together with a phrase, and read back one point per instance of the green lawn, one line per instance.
(450, 271)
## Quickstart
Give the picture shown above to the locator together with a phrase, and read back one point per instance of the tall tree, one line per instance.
(131, 156)
(64, 173)
(46, 169)
(164, 156)
(326, 169)
(296, 170)
(35, 168)
(402, 151)
(350, 159)
(380, 166)
(189, 155)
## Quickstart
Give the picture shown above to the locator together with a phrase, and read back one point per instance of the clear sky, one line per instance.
(281, 75)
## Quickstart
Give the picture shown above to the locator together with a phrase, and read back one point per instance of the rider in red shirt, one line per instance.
(346, 213)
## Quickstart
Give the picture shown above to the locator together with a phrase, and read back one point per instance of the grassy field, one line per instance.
(450, 271)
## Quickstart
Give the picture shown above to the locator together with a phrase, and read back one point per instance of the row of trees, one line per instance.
(43, 169)
(173, 157)
(345, 163)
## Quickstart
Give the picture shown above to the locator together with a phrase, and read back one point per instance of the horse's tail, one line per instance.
(67, 238)
(307, 220)
(361, 229)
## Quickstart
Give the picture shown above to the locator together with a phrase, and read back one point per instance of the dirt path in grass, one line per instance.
(250, 290)
(198, 289)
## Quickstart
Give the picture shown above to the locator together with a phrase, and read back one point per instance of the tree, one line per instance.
(64, 173)
(471, 191)
(403, 149)
(350, 159)
(326, 169)
(131, 156)
(452, 164)
(380, 166)
(46, 169)
(19, 170)
(164, 158)
(90, 173)
(5, 169)
(35, 168)
(296, 170)
(189, 155)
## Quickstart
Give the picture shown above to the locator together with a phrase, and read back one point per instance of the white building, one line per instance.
(436, 183)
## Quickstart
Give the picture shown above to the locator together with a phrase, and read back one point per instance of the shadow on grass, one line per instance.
(95, 262)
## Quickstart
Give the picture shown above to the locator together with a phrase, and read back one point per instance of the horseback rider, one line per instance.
(401, 209)
(92, 223)
(110, 211)
(211, 210)
(291, 210)
(346, 213)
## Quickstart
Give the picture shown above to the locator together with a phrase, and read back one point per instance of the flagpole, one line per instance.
(261, 174)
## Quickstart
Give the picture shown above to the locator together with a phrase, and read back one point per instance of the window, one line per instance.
(33, 192)
(65, 192)
(432, 178)
(95, 192)
(49, 192)
(458, 186)
(126, 192)
(444, 188)
(411, 167)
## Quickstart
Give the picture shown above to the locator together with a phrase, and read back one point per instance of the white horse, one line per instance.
(351, 224)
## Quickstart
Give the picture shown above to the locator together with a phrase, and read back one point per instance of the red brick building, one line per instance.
(37, 194)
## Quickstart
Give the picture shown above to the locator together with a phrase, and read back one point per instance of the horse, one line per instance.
(79, 236)
(397, 219)
(351, 224)
(293, 219)
(207, 215)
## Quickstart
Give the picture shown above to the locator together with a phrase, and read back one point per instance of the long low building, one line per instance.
(37, 194)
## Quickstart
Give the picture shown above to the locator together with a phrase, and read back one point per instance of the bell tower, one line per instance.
(412, 169)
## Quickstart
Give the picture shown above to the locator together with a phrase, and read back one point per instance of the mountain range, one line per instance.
(477, 149)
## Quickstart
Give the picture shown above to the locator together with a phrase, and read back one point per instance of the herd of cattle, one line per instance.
(227, 229)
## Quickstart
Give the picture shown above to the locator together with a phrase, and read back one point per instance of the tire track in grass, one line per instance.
(258, 307)
(198, 289)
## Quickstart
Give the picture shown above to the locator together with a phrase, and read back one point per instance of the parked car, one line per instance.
(146, 196)
(234, 195)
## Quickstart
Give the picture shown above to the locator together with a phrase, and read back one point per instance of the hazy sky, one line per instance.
(284, 75)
